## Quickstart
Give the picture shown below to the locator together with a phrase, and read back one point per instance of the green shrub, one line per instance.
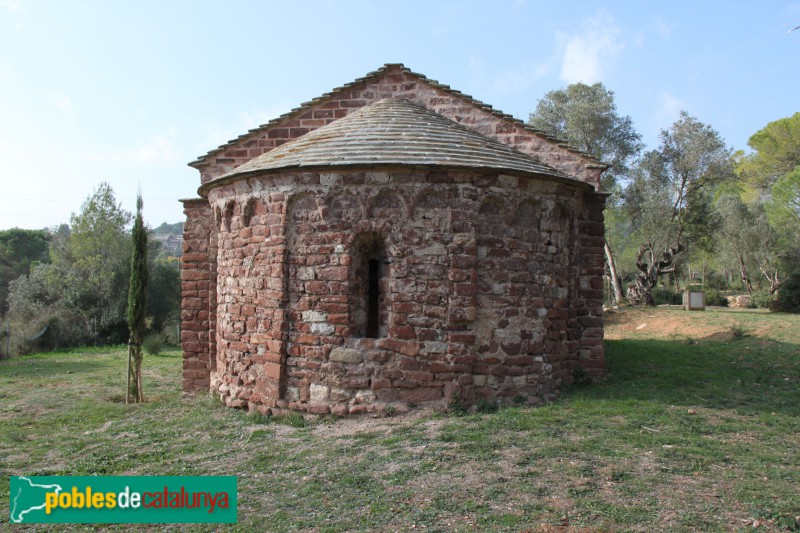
(789, 294)
(486, 407)
(666, 296)
(717, 281)
(581, 377)
(715, 297)
(456, 406)
(153, 343)
(762, 300)
(738, 331)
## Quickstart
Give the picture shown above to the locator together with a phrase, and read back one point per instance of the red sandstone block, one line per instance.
(194, 347)
(404, 347)
(463, 261)
(380, 383)
(463, 338)
(188, 336)
(338, 318)
(195, 362)
(193, 303)
(307, 338)
(278, 133)
(317, 409)
(313, 352)
(420, 395)
(194, 257)
(466, 359)
(404, 383)
(379, 357)
(333, 307)
(466, 289)
(406, 307)
(272, 370)
(358, 409)
(339, 409)
(316, 287)
(410, 363)
(463, 315)
(420, 376)
(427, 334)
(403, 332)
(437, 367)
(458, 275)
(195, 374)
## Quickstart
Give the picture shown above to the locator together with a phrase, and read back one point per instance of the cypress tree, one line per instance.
(137, 304)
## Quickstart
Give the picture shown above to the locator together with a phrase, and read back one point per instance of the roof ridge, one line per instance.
(393, 131)
(511, 118)
(305, 106)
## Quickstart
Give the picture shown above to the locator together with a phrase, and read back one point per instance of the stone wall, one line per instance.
(198, 287)
(397, 82)
(490, 287)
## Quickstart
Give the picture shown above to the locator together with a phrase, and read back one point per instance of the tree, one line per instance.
(777, 153)
(96, 257)
(783, 209)
(83, 292)
(163, 292)
(746, 240)
(670, 196)
(137, 305)
(19, 249)
(586, 117)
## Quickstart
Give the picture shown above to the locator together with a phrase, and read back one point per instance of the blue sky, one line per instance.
(130, 91)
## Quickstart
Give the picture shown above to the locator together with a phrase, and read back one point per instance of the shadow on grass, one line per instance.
(738, 374)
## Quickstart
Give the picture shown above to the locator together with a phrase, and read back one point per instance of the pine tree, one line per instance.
(137, 305)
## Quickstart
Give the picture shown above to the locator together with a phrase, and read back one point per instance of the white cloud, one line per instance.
(11, 5)
(662, 27)
(253, 119)
(160, 148)
(519, 79)
(63, 102)
(587, 53)
(669, 109)
(475, 65)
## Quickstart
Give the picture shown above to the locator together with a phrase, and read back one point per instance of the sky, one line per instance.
(129, 92)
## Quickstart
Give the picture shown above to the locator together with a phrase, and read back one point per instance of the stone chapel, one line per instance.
(392, 243)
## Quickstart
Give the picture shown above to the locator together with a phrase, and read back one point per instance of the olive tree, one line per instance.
(586, 117)
(670, 197)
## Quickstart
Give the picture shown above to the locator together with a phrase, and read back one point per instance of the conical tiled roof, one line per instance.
(393, 131)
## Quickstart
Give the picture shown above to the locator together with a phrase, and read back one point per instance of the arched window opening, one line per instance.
(369, 288)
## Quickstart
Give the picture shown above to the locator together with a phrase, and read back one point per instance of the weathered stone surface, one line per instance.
(346, 355)
(489, 284)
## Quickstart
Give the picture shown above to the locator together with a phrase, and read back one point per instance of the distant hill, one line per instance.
(169, 229)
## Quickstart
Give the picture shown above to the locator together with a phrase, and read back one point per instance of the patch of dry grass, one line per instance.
(682, 436)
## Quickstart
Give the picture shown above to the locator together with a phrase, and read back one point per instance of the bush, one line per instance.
(666, 296)
(762, 300)
(715, 297)
(153, 343)
(789, 294)
(715, 281)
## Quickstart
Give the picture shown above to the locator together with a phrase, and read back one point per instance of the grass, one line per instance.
(682, 436)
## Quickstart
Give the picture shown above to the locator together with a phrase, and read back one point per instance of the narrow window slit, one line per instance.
(373, 299)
